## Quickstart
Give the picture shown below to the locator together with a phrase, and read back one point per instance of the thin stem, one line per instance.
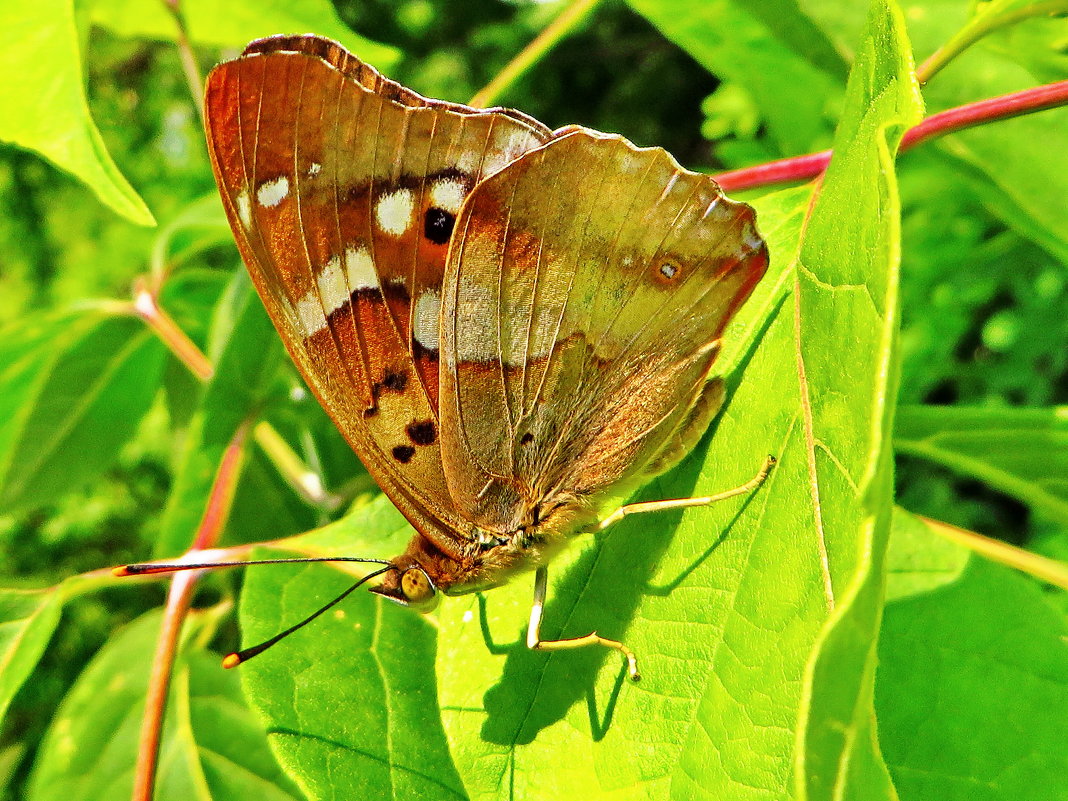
(148, 309)
(1005, 107)
(550, 35)
(221, 498)
(185, 54)
(802, 168)
(979, 27)
(179, 599)
(1041, 567)
(159, 683)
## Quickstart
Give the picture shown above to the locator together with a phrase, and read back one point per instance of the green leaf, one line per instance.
(27, 620)
(236, 22)
(73, 388)
(1022, 452)
(724, 605)
(349, 700)
(45, 107)
(797, 31)
(203, 220)
(848, 282)
(917, 560)
(1017, 168)
(971, 692)
(212, 748)
(796, 97)
(246, 353)
(189, 297)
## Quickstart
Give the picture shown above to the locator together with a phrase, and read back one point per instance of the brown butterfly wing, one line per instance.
(586, 289)
(342, 188)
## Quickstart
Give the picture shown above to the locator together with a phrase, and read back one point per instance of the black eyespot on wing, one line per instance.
(395, 381)
(403, 453)
(526, 439)
(422, 432)
(437, 225)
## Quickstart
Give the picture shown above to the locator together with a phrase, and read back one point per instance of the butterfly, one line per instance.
(513, 327)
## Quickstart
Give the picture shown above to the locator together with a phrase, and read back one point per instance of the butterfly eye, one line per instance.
(417, 587)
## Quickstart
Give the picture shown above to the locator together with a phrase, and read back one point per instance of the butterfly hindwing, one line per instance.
(342, 189)
(586, 289)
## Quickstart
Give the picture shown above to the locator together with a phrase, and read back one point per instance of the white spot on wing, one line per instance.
(273, 192)
(447, 194)
(425, 324)
(751, 238)
(310, 314)
(360, 268)
(244, 209)
(394, 211)
(332, 287)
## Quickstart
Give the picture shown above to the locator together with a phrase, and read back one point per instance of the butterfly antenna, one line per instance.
(235, 659)
(154, 568)
(245, 654)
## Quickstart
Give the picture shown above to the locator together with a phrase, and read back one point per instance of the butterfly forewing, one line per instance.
(342, 189)
(585, 291)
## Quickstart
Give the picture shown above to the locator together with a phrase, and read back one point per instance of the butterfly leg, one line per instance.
(685, 503)
(536, 643)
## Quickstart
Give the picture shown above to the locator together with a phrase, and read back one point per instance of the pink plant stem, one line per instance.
(178, 601)
(159, 684)
(802, 168)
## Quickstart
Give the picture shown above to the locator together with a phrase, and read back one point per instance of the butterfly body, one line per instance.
(514, 328)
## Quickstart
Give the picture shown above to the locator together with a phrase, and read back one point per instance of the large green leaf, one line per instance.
(848, 287)
(45, 108)
(1022, 452)
(213, 748)
(73, 388)
(971, 692)
(349, 701)
(721, 606)
(236, 22)
(724, 651)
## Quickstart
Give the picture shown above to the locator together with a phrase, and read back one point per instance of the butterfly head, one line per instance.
(409, 584)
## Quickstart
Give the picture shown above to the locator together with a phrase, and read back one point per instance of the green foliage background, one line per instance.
(108, 445)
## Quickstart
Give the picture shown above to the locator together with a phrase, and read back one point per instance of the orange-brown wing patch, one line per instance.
(341, 188)
(597, 306)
